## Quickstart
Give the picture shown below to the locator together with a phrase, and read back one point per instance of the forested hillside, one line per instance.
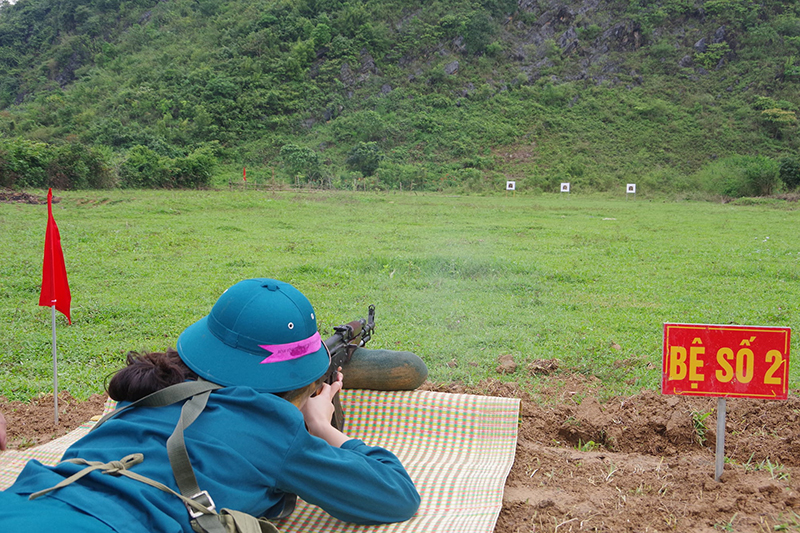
(675, 95)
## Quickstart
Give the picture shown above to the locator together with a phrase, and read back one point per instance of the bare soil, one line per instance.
(9, 196)
(33, 423)
(643, 463)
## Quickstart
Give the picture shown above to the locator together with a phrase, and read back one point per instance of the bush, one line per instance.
(711, 57)
(478, 33)
(789, 171)
(69, 166)
(194, 170)
(739, 176)
(787, 25)
(471, 179)
(23, 163)
(364, 126)
(494, 49)
(400, 176)
(76, 166)
(301, 161)
(143, 168)
(590, 33)
(761, 175)
(779, 120)
(364, 158)
(739, 12)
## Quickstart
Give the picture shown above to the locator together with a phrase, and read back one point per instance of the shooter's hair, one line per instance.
(148, 372)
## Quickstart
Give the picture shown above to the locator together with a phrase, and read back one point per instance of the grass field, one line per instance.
(464, 279)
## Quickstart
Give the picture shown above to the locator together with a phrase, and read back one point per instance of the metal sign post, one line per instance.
(719, 464)
(725, 361)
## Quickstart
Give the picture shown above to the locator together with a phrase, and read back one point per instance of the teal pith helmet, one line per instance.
(261, 333)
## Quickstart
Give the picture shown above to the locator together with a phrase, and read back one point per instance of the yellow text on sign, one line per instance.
(740, 364)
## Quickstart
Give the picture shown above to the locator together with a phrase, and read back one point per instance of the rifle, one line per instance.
(341, 346)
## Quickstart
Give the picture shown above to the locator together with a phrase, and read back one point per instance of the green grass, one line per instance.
(467, 278)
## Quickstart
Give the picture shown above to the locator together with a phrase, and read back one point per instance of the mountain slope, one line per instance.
(408, 93)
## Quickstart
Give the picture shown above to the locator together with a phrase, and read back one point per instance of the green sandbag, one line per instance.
(384, 370)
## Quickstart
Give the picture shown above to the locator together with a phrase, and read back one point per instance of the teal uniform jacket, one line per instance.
(248, 450)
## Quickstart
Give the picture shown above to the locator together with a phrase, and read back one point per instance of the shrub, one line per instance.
(194, 170)
(590, 33)
(711, 57)
(301, 161)
(787, 25)
(321, 35)
(761, 175)
(662, 49)
(143, 168)
(740, 12)
(778, 120)
(789, 171)
(499, 8)
(678, 7)
(478, 33)
(365, 126)
(23, 163)
(739, 176)
(471, 179)
(400, 176)
(76, 166)
(494, 49)
(553, 95)
(364, 158)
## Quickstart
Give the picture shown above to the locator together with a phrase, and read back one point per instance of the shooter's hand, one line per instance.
(318, 410)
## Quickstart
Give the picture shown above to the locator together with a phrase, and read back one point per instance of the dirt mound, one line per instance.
(646, 462)
(8, 196)
(643, 463)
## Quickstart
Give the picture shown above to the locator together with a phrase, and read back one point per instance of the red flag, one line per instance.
(244, 173)
(55, 289)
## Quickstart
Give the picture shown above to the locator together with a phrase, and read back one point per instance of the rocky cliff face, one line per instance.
(587, 40)
(590, 39)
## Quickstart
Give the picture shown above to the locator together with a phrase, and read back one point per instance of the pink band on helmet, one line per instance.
(292, 350)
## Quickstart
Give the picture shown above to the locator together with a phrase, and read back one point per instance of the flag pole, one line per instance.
(55, 287)
(55, 365)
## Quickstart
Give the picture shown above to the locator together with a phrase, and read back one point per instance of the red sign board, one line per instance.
(734, 361)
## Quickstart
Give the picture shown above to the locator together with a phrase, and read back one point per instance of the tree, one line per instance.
(789, 171)
(144, 168)
(365, 158)
(301, 161)
(779, 120)
(478, 32)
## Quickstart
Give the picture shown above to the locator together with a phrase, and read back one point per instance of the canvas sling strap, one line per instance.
(201, 508)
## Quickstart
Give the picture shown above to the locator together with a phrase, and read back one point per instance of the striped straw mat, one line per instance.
(458, 449)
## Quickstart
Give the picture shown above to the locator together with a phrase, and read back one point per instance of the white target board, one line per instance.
(631, 188)
(511, 185)
(565, 187)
